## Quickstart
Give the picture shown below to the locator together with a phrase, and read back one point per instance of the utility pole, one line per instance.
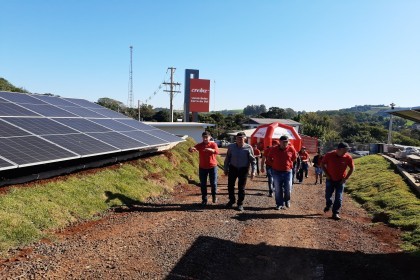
(172, 92)
(139, 109)
(390, 125)
(130, 82)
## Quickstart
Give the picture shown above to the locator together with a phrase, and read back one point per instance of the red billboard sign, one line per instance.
(199, 95)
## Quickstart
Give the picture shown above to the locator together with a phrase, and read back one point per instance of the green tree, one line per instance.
(111, 104)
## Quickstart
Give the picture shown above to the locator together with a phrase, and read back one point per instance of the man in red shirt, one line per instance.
(282, 158)
(207, 151)
(335, 164)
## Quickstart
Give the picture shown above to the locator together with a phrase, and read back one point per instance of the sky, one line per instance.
(302, 54)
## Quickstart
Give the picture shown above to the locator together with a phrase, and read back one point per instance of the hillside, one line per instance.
(6, 86)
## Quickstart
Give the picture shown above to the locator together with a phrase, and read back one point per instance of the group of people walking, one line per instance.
(281, 162)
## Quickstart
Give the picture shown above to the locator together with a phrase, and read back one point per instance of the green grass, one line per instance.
(383, 192)
(28, 214)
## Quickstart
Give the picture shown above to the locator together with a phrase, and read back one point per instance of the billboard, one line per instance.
(199, 95)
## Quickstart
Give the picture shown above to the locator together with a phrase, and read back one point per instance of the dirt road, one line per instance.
(173, 238)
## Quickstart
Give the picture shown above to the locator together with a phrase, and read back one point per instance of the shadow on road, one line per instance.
(214, 258)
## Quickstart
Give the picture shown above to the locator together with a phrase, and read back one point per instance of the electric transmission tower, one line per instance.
(130, 81)
(172, 91)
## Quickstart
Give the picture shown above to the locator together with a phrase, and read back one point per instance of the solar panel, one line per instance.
(28, 150)
(20, 98)
(40, 126)
(113, 124)
(81, 112)
(82, 125)
(163, 135)
(83, 103)
(49, 110)
(144, 137)
(136, 125)
(118, 140)
(57, 101)
(8, 130)
(10, 109)
(81, 144)
(108, 113)
(5, 164)
(38, 129)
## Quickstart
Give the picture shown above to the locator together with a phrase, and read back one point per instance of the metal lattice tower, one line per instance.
(130, 103)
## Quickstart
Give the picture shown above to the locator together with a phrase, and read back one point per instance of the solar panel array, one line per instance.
(38, 129)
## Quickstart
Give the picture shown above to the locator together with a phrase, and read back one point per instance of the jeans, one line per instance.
(282, 184)
(330, 187)
(305, 166)
(212, 174)
(241, 174)
(270, 179)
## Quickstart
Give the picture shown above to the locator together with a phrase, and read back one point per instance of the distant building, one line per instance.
(255, 122)
(192, 129)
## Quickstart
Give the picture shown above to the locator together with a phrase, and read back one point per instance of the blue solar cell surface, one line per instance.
(119, 140)
(49, 110)
(108, 113)
(20, 98)
(113, 124)
(38, 129)
(136, 125)
(81, 144)
(164, 135)
(82, 125)
(31, 149)
(57, 101)
(5, 164)
(41, 126)
(8, 130)
(144, 137)
(10, 109)
(82, 112)
(83, 103)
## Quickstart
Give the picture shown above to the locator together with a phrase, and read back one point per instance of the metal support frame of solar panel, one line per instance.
(58, 129)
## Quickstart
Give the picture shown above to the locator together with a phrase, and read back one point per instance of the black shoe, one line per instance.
(336, 217)
(203, 203)
(240, 208)
(326, 209)
(230, 204)
(288, 204)
(270, 195)
(214, 199)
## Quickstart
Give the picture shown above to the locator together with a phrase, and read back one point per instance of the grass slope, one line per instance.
(382, 191)
(27, 214)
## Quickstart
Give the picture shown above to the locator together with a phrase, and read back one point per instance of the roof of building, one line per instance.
(268, 121)
(412, 113)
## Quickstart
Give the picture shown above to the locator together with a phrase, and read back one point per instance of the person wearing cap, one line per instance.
(305, 161)
(266, 166)
(282, 157)
(335, 164)
(239, 157)
(207, 151)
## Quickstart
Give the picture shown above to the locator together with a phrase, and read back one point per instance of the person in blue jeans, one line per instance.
(208, 152)
(335, 164)
(282, 157)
